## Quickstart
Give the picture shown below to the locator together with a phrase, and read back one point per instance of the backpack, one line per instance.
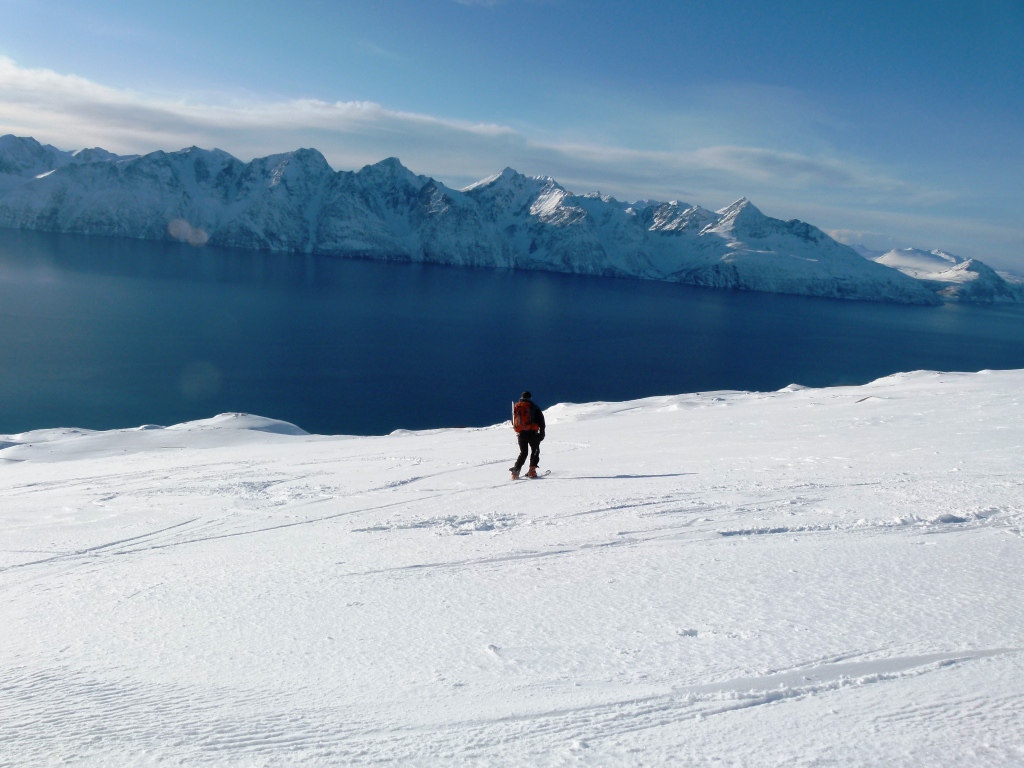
(522, 417)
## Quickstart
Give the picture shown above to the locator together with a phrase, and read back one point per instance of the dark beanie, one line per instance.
(526, 395)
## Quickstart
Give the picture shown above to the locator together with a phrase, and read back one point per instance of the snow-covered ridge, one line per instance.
(295, 202)
(917, 262)
(226, 429)
(952, 277)
(22, 159)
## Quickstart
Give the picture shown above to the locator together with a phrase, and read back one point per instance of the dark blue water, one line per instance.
(104, 333)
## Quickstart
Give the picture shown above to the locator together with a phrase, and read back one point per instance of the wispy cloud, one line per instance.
(71, 112)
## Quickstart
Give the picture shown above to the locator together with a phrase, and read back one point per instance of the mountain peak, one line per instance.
(309, 156)
(193, 152)
(9, 139)
(741, 207)
(742, 217)
(389, 166)
(391, 169)
(979, 268)
(504, 178)
(23, 156)
(642, 205)
(94, 155)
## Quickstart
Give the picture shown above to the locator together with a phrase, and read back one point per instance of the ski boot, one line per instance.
(532, 472)
(515, 472)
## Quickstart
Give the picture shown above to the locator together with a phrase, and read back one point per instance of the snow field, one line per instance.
(806, 577)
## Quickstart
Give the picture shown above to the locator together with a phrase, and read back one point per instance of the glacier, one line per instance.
(296, 202)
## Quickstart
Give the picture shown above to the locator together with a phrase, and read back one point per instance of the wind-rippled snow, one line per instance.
(810, 576)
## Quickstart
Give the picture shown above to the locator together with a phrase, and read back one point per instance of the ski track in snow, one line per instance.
(824, 577)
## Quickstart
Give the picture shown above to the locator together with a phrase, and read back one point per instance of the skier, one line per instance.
(528, 422)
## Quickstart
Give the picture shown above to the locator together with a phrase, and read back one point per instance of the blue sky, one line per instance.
(890, 123)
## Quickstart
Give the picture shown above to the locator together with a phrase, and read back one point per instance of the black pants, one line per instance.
(528, 441)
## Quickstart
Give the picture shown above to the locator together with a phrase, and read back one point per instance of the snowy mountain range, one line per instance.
(296, 202)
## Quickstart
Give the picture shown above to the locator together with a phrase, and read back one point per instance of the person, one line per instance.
(528, 422)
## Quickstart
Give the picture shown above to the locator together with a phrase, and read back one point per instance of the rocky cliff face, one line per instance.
(296, 202)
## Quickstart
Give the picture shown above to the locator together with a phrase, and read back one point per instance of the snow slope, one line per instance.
(296, 202)
(917, 262)
(952, 277)
(972, 280)
(826, 577)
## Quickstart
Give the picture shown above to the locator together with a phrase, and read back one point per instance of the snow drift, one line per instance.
(777, 578)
